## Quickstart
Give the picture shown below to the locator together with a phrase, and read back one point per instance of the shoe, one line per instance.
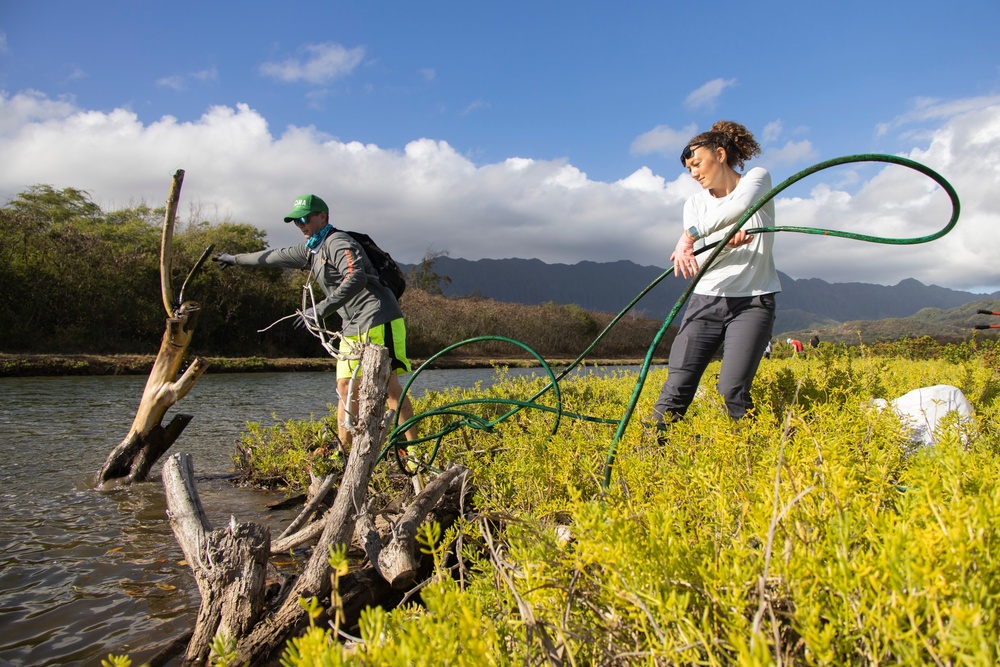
(659, 428)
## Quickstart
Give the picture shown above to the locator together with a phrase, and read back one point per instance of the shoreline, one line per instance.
(49, 365)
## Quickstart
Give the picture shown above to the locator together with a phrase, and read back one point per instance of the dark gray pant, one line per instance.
(743, 325)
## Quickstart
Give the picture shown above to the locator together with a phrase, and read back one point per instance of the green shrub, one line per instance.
(811, 534)
(282, 455)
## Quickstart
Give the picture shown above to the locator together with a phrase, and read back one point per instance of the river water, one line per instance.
(84, 574)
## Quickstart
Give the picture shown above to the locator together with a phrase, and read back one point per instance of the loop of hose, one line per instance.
(466, 419)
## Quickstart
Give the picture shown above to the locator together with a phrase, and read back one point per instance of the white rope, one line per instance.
(328, 340)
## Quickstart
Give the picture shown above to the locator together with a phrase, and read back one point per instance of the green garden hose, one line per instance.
(463, 418)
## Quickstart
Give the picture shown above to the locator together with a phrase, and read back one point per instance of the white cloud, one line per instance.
(30, 107)
(3, 42)
(206, 75)
(474, 106)
(663, 140)
(178, 82)
(643, 179)
(901, 203)
(322, 63)
(429, 195)
(175, 82)
(772, 131)
(708, 94)
(793, 152)
(930, 109)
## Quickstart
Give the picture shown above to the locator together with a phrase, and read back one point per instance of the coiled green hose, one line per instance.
(463, 418)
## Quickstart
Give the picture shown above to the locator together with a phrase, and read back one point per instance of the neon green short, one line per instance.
(396, 346)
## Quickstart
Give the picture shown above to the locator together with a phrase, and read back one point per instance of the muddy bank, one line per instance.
(29, 365)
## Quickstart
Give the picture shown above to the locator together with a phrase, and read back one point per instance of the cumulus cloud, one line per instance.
(320, 64)
(931, 109)
(31, 107)
(663, 140)
(895, 201)
(708, 94)
(793, 152)
(429, 195)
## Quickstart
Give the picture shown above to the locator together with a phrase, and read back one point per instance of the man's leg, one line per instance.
(343, 401)
(405, 411)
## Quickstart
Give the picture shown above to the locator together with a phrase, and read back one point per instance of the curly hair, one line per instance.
(737, 141)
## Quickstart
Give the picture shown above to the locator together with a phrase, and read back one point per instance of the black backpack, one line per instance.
(388, 271)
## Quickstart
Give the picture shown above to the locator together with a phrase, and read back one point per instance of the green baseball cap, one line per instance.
(306, 204)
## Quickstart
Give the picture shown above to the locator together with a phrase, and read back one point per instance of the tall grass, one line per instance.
(813, 534)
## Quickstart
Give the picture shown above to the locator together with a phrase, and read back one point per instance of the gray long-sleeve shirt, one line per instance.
(344, 273)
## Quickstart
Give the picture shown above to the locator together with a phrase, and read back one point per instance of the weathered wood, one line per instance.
(366, 533)
(398, 562)
(311, 506)
(307, 534)
(167, 243)
(147, 439)
(229, 564)
(339, 521)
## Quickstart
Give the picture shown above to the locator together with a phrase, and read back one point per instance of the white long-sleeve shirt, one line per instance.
(747, 270)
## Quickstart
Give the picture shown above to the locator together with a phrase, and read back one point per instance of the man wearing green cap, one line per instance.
(344, 273)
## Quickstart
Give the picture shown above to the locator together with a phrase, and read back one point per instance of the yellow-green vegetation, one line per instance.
(813, 534)
(283, 454)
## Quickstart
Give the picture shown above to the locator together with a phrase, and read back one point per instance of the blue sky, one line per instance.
(518, 129)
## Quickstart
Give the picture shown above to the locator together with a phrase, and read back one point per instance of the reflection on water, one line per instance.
(85, 574)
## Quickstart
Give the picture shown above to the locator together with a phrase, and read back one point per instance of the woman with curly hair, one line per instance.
(732, 306)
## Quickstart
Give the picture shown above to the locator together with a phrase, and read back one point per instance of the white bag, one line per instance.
(922, 410)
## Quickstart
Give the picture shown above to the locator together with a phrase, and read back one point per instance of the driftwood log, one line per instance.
(229, 563)
(147, 440)
(398, 562)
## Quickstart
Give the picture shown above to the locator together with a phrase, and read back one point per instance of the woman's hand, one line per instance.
(683, 257)
(740, 238)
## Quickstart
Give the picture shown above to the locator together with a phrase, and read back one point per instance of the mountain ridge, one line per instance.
(805, 304)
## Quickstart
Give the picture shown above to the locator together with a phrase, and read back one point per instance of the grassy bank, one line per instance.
(34, 365)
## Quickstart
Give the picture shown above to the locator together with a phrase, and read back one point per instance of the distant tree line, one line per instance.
(77, 279)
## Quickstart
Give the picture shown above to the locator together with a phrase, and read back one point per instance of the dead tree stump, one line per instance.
(398, 562)
(147, 440)
(339, 520)
(229, 563)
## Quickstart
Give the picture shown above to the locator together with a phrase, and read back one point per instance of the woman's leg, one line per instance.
(748, 330)
(696, 343)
